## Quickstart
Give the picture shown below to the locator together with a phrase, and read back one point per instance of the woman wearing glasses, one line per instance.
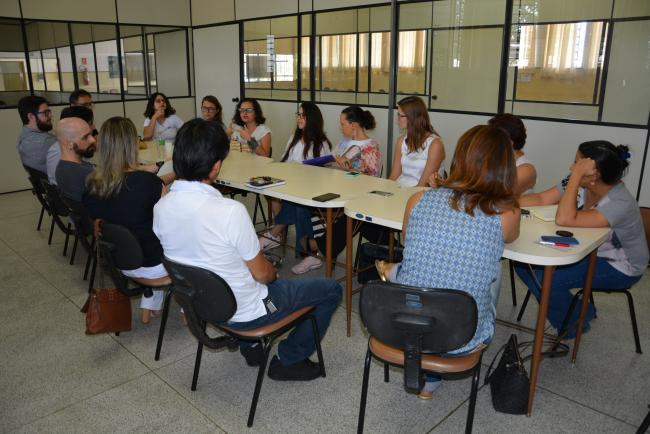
(211, 110)
(419, 153)
(308, 141)
(248, 128)
(160, 121)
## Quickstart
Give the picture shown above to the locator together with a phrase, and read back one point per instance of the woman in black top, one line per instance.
(121, 194)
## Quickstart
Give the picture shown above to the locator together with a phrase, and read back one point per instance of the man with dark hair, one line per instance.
(81, 97)
(219, 236)
(54, 153)
(77, 143)
(35, 139)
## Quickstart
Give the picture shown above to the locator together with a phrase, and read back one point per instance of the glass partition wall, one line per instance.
(59, 57)
(566, 59)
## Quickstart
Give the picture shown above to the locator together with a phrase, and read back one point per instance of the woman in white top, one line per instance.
(419, 153)
(308, 141)
(526, 173)
(160, 121)
(248, 128)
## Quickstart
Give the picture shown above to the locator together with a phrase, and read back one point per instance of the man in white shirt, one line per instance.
(197, 226)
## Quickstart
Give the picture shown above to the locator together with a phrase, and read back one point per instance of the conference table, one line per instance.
(389, 212)
(302, 184)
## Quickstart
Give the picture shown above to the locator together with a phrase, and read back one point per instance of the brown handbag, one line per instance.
(107, 310)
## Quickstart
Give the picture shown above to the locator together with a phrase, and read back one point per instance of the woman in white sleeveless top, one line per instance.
(526, 173)
(419, 153)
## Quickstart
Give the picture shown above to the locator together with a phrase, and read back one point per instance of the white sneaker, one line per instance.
(307, 264)
(268, 241)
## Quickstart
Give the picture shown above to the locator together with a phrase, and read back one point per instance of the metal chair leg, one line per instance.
(523, 306)
(386, 373)
(319, 351)
(93, 269)
(511, 266)
(74, 249)
(163, 324)
(258, 383)
(364, 392)
(472, 398)
(49, 240)
(197, 363)
(67, 238)
(635, 329)
(40, 218)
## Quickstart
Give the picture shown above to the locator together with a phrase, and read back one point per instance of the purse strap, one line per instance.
(496, 356)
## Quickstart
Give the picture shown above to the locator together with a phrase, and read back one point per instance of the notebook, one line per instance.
(264, 182)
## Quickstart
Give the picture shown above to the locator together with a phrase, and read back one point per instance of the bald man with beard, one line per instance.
(77, 142)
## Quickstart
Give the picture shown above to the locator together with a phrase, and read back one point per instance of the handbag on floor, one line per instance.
(107, 310)
(509, 381)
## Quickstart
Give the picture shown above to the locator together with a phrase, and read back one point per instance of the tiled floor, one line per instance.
(54, 378)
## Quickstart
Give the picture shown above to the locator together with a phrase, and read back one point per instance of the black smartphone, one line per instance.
(325, 197)
(564, 233)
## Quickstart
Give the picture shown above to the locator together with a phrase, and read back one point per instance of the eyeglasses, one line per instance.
(88, 105)
(246, 110)
(94, 132)
(47, 112)
(300, 115)
(209, 109)
(401, 115)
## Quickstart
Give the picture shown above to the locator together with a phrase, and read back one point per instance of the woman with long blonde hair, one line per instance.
(118, 192)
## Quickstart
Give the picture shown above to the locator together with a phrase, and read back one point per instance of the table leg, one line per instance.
(586, 296)
(328, 242)
(539, 333)
(348, 272)
(391, 246)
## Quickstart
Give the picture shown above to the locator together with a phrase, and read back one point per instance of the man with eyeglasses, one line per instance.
(35, 138)
(81, 97)
(54, 153)
(77, 144)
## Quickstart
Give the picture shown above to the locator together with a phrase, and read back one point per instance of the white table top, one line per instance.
(303, 182)
(526, 248)
(389, 212)
(239, 167)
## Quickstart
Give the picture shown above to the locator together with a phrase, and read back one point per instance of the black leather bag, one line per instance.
(509, 381)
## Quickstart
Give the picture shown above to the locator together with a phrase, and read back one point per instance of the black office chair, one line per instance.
(415, 328)
(83, 226)
(35, 178)
(207, 299)
(121, 251)
(58, 211)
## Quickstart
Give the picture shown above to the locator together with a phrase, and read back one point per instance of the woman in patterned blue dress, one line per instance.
(454, 234)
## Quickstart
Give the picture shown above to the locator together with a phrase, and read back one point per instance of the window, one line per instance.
(560, 62)
(270, 67)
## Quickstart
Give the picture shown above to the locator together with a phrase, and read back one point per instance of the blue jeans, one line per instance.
(292, 214)
(289, 296)
(572, 276)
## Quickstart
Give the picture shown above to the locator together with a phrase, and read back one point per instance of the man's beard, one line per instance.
(44, 126)
(84, 153)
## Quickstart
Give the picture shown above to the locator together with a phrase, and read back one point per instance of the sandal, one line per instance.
(381, 269)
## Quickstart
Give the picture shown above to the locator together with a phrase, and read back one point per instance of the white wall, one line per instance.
(9, 8)
(73, 10)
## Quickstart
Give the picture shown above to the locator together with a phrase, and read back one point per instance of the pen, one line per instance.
(547, 243)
